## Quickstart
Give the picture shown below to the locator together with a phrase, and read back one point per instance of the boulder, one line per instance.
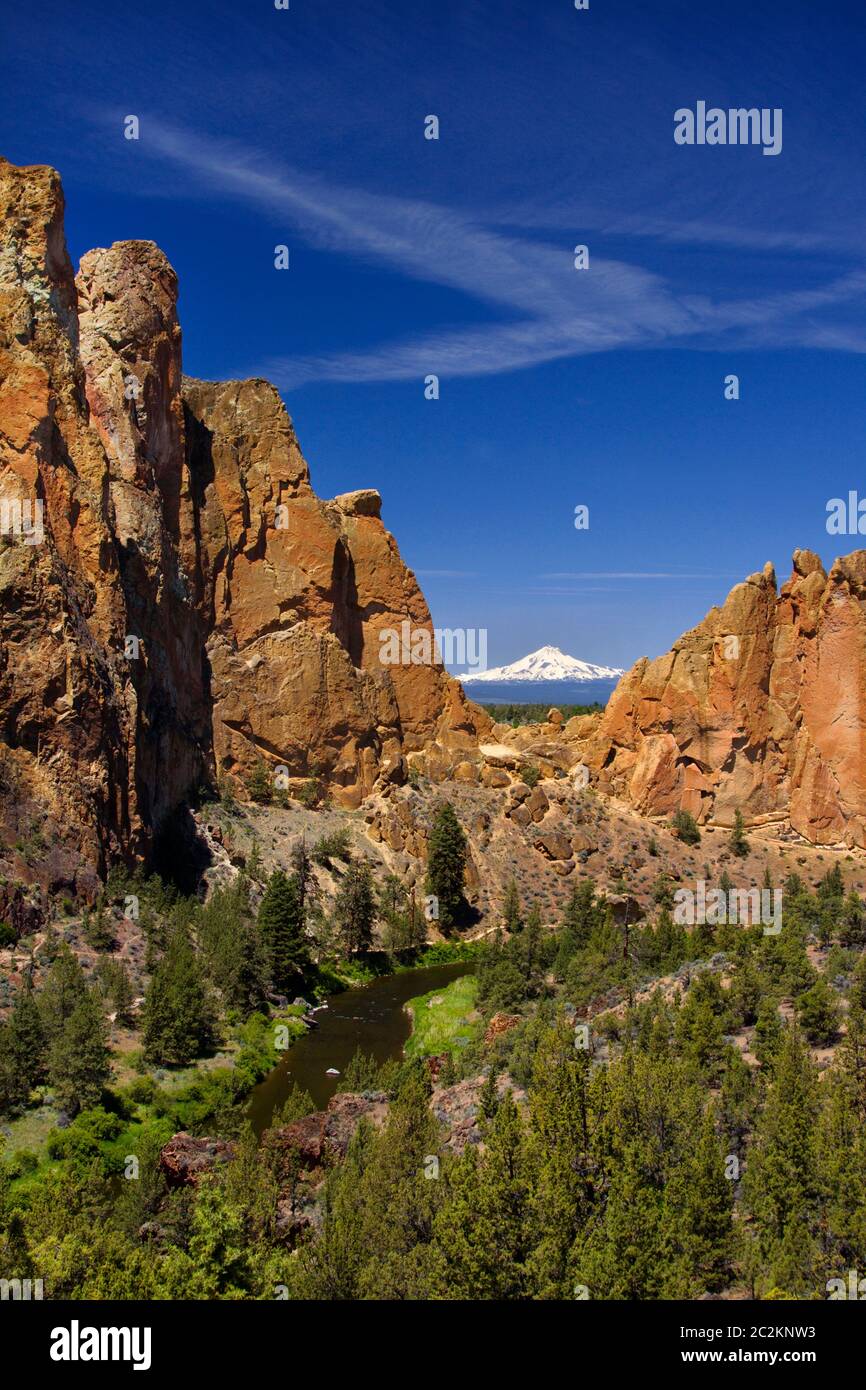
(553, 844)
(185, 1160)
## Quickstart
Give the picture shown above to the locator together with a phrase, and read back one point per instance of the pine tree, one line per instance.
(511, 916)
(488, 1099)
(355, 908)
(98, 932)
(781, 1182)
(259, 785)
(232, 952)
(282, 930)
(852, 1055)
(79, 1060)
(446, 866)
(577, 923)
(64, 988)
(302, 867)
(482, 1233)
(178, 1023)
(738, 843)
(27, 1036)
(768, 1033)
(852, 928)
(685, 827)
(706, 1230)
(818, 1012)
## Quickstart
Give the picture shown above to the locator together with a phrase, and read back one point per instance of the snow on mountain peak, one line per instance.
(546, 664)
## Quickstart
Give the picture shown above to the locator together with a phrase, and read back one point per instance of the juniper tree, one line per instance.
(685, 827)
(818, 1012)
(259, 785)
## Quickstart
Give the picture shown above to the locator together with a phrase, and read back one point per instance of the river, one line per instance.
(370, 1018)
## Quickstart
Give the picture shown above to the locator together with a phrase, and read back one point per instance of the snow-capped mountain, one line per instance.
(547, 664)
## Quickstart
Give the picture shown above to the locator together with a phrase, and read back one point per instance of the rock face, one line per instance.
(326, 1134)
(191, 609)
(185, 1160)
(762, 707)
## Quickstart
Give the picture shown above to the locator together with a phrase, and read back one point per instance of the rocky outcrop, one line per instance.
(185, 1160)
(191, 609)
(325, 1135)
(761, 707)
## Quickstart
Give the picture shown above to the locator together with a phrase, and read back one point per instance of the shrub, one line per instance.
(333, 846)
(685, 827)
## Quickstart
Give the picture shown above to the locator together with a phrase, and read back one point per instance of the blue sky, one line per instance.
(557, 387)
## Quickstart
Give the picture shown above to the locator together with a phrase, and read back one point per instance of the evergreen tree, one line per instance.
(577, 923)
(282, 930)
(446, 866)
(355, 908)
(178, 1024)
(705, 1226)
(117, 988)
(768, 1033)
(511, 915)
(14, 1091)
(78, 1060)
(302, 868)
(672, 941)
(98, 932)
(64, 988)
(781, 1182)
(27, 1036)
(482, 1232)
(818, 1012)
(852, 927)
(738, 843)
(685, 827)
(488, 1100)
(259, 785)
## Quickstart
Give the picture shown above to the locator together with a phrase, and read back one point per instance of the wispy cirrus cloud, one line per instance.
(627, 574)
(546, 309)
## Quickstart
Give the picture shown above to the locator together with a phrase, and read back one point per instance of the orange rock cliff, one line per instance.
(193, 607)
(190, 608)
(761, 708)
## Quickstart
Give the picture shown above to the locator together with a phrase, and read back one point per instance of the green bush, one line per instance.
(685, 827)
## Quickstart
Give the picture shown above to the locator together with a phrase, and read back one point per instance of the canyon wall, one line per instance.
(761, 708)
(191, 608)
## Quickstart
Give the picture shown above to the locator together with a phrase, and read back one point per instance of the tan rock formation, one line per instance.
(761, 707)
(193, 608)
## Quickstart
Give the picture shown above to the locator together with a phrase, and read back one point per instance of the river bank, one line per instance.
(371, 1019)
